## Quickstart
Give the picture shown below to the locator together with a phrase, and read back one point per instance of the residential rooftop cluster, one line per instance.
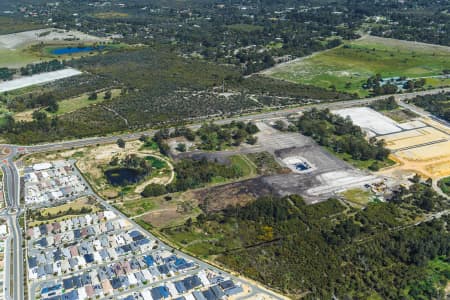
(54, 182)
(206, 285)
(103, 255)
(3, 238)
(76, 243)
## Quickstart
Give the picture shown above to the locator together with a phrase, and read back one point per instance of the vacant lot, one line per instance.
(64, 211)
(369, 120)
(412, 138)
(349, 66)
(358, 197)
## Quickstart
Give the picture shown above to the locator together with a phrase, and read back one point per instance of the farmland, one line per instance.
(347, 67)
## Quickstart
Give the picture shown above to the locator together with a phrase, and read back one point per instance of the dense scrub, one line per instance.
(322, 250)
(438, 105)
(384, 104)
(159, 88)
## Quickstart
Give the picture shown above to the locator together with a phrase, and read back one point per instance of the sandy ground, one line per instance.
(425, 151)
(21, 39)
(37, 79)
(414, 137)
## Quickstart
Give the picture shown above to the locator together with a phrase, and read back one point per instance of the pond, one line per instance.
(123, 176)
(73, 50)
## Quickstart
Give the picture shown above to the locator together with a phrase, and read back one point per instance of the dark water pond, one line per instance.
(73, 50)
(123, 176)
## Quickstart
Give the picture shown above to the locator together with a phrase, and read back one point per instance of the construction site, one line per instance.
(419, 146)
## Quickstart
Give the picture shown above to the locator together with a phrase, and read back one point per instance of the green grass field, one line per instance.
(17, 58)
(358, 196)
(12, 25)
(74, 104)
(348, 66)
(69, 105)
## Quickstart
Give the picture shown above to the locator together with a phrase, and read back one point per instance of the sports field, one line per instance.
(348, 66)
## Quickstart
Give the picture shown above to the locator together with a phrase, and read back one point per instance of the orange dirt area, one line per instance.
(415, 137)
(424, 151)
(436, 125)
(429, 167)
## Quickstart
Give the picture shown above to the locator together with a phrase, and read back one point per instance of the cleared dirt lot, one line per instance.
(328, 176)
(370, 120)
(411, 138)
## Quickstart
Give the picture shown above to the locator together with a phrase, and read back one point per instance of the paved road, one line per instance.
(13, 285)
(250, 117)
(12, 180)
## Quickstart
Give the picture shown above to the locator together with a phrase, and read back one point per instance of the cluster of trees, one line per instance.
(6, 74)
(39, 216)
(215, 137)
(437, 104)
(341, 135)
(282, 243)
(42, 67)
(159, 88)
(413, 84)
(193, 174)
(41, 127)
(231, 37)
(30, 101)
(420, 195)
(374, 84)
(132, 161)
(384, 104)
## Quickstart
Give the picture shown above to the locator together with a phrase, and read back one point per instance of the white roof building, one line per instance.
(42, 166)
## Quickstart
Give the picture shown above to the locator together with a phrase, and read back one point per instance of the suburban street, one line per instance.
(14, 261)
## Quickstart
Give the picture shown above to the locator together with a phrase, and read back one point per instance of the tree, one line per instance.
(52, 105)
(108, 95)
(93, 96)
(143, 138)
(121, 143)
(279, 125)
(251, 140)
(153, 190)
(181, 147)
